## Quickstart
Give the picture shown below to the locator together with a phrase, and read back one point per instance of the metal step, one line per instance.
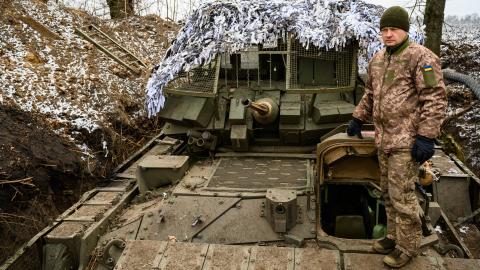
(111, 48)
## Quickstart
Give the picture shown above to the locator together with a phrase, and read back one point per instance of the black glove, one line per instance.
(355, 128)
(422, 149)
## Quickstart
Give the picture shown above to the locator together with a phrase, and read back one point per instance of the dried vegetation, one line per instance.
(68, 113)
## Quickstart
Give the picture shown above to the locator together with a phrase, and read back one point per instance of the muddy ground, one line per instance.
(41, 175)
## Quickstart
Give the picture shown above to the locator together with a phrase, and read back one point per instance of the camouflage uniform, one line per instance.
(398, 174)
(404, 96)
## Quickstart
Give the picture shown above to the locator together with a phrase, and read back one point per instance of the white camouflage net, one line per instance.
(233, 25)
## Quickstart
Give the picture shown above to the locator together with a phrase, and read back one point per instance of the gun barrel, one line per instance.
(259, 107)
(265, 110)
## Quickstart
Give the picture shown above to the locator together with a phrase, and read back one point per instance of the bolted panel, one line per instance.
(281, 209)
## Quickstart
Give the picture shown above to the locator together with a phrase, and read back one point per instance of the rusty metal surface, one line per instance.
(263, 258)
(140, 255)
(186, 256)
(89, 212)
(249, 226)
(309, 258)
(179, 213)
(177, 255)
(104, 198)
(460, 264)
(68, 229)
(259, 173)
(221, 257)
(355, 261)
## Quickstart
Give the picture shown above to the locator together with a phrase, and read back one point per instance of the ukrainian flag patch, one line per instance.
(429, 76)
(427, 68)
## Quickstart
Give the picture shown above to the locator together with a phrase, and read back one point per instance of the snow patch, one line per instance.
(68, 80)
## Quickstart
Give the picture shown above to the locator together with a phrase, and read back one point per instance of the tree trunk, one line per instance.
(433, 20)
(166, 2)
(120, 8)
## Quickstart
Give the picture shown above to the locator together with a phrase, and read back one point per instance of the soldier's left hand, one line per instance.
(423, 149)
(355, 128)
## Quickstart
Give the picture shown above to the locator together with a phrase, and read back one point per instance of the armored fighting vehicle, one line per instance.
(253, 170)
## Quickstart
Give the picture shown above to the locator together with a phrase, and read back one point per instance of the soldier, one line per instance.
(405, 98)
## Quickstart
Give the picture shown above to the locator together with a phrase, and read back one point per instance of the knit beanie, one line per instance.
(395, 17)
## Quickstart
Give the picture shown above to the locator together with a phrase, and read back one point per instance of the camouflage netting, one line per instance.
(231, 26)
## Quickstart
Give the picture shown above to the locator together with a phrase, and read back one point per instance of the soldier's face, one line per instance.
(392, 36)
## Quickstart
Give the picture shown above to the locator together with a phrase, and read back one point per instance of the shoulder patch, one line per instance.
(429, 76)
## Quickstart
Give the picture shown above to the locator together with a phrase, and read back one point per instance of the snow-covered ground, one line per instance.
(462, 33)
(59, 75)
(461, 48)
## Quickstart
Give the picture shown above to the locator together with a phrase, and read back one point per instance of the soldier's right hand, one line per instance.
(355, 128)
(423, 148)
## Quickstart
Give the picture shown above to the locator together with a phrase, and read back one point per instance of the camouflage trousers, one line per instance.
(399, 172)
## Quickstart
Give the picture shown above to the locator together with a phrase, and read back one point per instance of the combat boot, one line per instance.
(384, 245)
(396, 259)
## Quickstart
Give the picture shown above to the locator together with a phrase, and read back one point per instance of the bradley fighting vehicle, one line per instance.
(253, 170)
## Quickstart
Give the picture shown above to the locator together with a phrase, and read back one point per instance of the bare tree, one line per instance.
(166, 3)
(175, 6)
(433, 20)
(120, 8)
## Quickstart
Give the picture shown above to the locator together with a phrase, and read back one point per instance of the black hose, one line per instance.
(445, 248)
(469, 81)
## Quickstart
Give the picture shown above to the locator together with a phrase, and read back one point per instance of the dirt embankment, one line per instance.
(68, 113)
(461, 51)
(40, 176)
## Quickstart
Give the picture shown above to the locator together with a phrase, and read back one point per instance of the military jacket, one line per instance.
(404, 96)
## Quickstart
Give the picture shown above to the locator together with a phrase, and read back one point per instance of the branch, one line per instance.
(25, 181)
(413, 9)
(13, 216)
